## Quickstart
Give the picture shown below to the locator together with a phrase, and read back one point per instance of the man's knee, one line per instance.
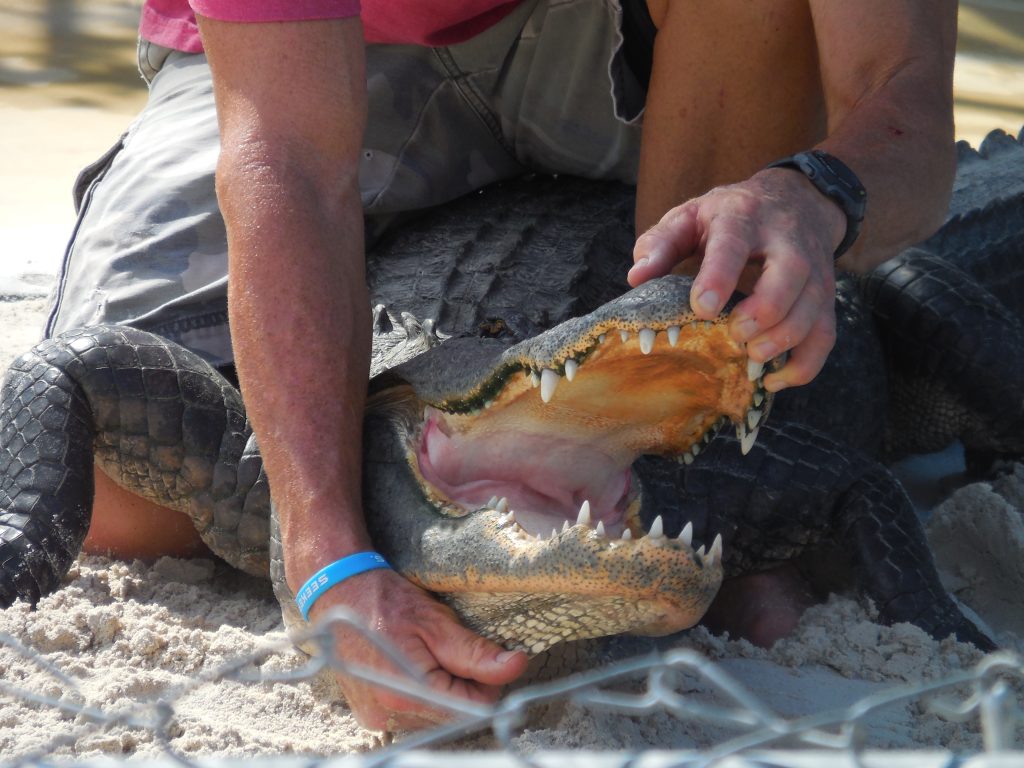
(128, 526)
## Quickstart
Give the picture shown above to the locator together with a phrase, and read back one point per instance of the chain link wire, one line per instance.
(991, 693)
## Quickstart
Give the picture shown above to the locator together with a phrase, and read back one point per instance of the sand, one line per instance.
(125, 635)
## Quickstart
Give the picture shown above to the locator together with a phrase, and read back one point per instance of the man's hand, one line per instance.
(779, 222)
(453, 660)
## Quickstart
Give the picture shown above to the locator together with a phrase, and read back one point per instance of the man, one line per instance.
(733, 86)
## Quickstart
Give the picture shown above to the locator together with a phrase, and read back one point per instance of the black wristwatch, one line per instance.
(834, 179)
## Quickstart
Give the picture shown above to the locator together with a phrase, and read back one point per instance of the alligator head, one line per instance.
(498, 475)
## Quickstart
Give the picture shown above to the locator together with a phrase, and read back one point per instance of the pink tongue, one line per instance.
(542, 477)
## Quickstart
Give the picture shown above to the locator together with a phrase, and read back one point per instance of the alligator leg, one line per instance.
(155, 417)
(955, 355)
(796, 491)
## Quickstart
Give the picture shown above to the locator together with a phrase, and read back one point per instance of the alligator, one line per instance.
(545, 449)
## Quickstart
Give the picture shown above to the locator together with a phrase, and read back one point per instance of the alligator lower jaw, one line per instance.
(552, 619)
(529, 594)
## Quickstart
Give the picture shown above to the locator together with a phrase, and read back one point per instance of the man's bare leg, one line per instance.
(734, 85)
(760, 607)
(127, 526)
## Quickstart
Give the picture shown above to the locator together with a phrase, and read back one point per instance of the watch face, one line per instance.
(847, 182)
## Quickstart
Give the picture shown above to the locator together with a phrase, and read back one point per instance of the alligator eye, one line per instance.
(493, 328)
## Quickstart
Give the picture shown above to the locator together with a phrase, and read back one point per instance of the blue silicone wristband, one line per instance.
(334, 574)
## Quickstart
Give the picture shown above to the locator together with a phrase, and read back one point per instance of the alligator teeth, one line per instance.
(571, 366)
(502, 505)
(601, 338)
(565, 526)
(493, 502)
(548, 383)
(627, 535)
(584, 516)
(716, 550)
(534, 379)
(686, 535)
(624, 335)
(758, 397)
(747, 440)
(673, 334)
(753, 418)
(754, 370)
(687, 458)
(554, 533)
(505, 519)
(657, 529)
(700, 552)
(600, 528)
(647, 337)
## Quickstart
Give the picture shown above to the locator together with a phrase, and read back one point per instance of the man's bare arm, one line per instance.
(889, 93)
(287, 186)
(291, 108)
(886, 75)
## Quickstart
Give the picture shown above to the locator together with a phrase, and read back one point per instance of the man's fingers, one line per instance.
(465, 654)
(730, 243)
(808, 358)
(785, 280)
(380, 709)
(775, 335)
(664, 245)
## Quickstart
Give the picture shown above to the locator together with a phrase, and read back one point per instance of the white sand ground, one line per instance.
(125, 633)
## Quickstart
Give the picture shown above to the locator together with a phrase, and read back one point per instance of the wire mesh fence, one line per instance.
(989, 694)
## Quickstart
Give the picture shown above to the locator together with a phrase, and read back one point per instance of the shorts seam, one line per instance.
(475, 101)
(61, 284)
(384, 187)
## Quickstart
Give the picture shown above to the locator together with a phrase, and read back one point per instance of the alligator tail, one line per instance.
(879, 529)
(46, 466)
(983, 233)
(153, 416)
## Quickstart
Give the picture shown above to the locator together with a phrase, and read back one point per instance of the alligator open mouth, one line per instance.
(533, 453)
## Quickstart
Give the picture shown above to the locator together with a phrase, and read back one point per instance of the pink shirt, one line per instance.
(172, 23)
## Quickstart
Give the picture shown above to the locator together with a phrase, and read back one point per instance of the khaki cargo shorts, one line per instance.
(545, 90)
